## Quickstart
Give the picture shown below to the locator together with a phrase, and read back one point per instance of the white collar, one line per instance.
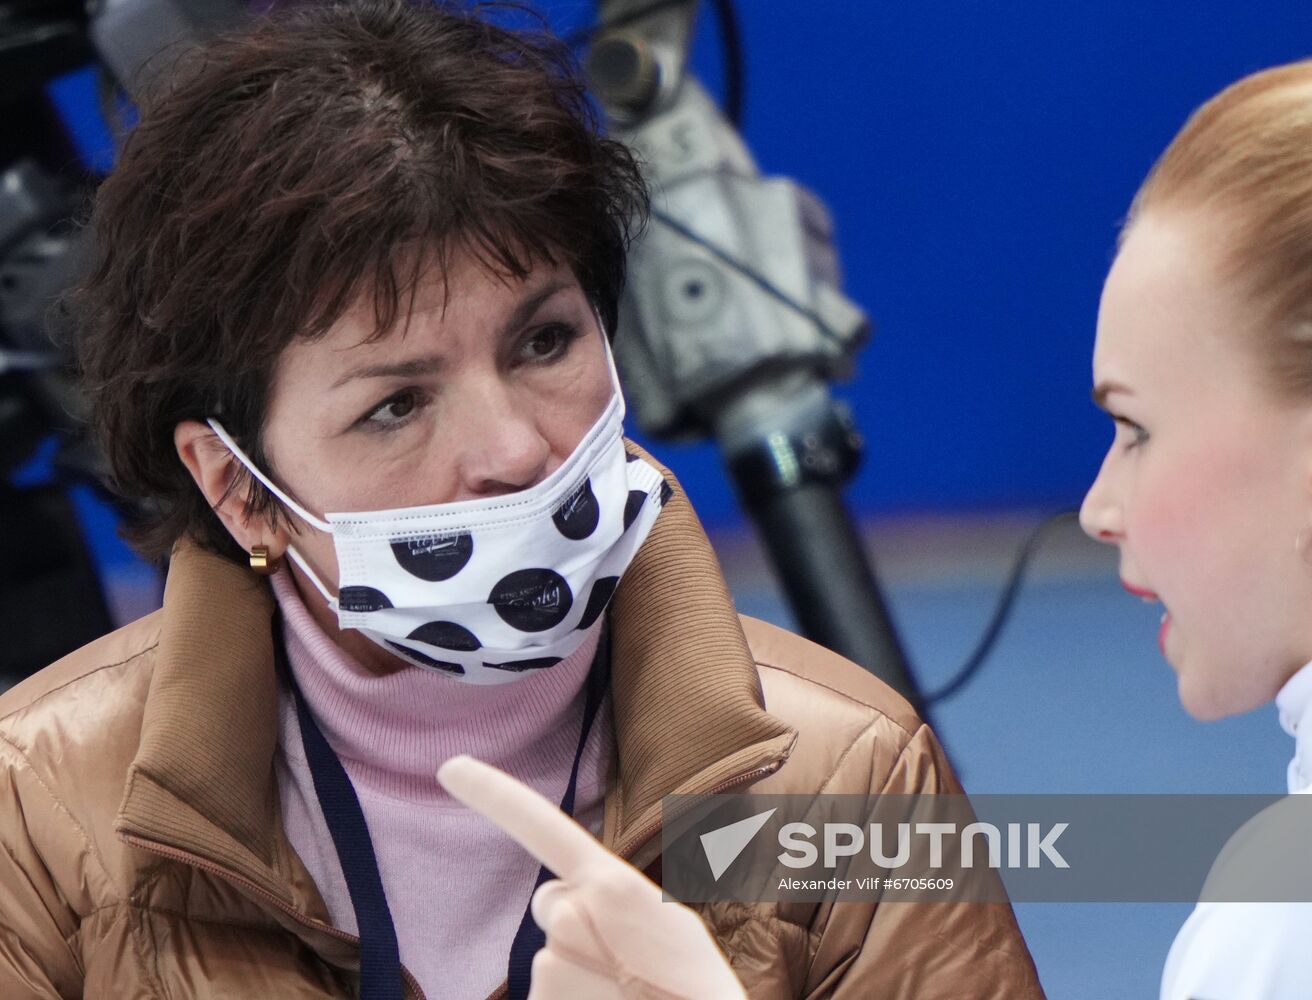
(1294, 705)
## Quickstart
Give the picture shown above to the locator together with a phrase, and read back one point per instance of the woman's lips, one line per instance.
(1147, 595)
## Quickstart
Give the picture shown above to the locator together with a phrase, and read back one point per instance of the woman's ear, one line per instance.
(213, 467)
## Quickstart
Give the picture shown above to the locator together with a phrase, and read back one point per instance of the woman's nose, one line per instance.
(503, 450)
(1100, 514)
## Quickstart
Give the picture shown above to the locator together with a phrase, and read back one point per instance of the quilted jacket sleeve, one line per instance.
(36, 922)
(916, 950)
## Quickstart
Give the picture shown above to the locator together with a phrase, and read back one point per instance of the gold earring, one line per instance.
(261, 562)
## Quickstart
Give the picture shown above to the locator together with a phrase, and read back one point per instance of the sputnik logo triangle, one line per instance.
(723, 846)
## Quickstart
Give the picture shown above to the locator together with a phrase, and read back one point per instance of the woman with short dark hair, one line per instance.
(345, 340)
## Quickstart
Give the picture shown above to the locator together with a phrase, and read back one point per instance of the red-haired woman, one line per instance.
(1204, 361)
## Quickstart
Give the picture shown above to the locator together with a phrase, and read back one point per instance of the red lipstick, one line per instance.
(1139, 591)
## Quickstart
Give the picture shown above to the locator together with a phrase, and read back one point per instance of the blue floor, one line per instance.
(1074, 699)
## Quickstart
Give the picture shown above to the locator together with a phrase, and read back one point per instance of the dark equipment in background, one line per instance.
(45, 567)
(51, 599)
(733, 323)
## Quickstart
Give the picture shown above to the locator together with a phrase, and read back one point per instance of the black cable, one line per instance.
(731, 50)
(759, 280)
(731, 47)
(734, 104)
(966, 673)
(970, 668)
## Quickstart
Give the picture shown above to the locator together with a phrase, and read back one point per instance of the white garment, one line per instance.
(1237, 951)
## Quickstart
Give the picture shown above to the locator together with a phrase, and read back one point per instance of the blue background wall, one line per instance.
(976, 157)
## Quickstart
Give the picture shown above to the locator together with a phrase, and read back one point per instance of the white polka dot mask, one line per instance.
(491, 590)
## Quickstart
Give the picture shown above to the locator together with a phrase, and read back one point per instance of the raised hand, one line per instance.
(609, 934)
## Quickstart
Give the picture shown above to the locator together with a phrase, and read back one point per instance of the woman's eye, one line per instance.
(1139, 435)
(393, 411)
(549, 342)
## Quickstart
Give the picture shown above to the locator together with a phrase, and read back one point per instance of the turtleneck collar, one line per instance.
(1294, 704)
(391, 732)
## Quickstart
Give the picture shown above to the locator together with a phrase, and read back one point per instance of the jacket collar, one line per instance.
(1294, 709)
(686, 696)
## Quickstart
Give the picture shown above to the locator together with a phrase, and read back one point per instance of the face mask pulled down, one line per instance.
(495, 589)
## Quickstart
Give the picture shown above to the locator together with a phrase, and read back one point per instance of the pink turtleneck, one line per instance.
(456, 885)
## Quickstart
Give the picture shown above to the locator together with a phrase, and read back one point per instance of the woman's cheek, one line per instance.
(408, 467)
(317, 548)
(1157, 520)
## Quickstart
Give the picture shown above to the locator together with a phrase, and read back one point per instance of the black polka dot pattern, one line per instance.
(532, 600)
(436, 557)
(428, 661)
(577, 517)
(362, 599)
(446, 635)
(521, 666)
(633, 507)
(602, 591)
(491, 592)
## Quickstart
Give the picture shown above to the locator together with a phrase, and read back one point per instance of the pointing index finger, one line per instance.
(536, 824)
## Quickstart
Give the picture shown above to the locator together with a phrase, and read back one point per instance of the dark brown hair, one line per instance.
(292, 168)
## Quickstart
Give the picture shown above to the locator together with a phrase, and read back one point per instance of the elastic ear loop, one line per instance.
(273, 488)
(610, 364)
(325, 526)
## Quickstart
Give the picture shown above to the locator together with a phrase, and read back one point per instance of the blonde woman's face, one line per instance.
(1206, 489)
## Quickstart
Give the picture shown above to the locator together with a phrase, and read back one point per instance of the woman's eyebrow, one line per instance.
(1104, 389)
(411, 367)
(431, 364)
(527, 307)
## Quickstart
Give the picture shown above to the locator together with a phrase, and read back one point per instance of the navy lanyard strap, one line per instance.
(530, 938)
(380, 958)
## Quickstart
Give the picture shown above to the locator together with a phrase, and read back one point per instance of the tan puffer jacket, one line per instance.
(142, 853)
